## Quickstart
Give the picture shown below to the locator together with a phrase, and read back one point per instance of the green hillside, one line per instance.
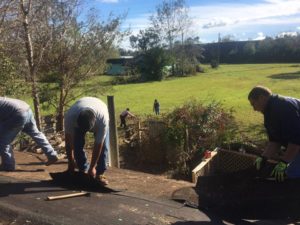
(229, 84)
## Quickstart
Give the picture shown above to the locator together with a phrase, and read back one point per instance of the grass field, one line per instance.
(229, 84)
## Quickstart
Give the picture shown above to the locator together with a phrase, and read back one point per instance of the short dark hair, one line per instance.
(86, 120)
(258, 91)
(127, 109)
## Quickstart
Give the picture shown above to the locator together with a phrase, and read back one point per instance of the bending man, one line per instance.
(16, 116)
(123, 116)
(88, 114)
(282, 122)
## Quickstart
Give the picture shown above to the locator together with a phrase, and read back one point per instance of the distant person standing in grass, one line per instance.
(282, 122)
(88, 114)
(16, 116)
(123, 116)
(156, 107)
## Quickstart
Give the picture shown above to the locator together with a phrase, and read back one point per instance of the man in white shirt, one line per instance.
(88, 114)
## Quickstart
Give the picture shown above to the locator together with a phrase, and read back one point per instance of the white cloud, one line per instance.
(268, 12)
(260, 36)
(284, 34)
(109, 1)
(211, 19)
(218, 22)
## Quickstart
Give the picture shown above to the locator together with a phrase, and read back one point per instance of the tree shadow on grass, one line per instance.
(295, 65)
(286, 76)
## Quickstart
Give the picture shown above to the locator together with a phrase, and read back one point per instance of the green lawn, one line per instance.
(229, 84)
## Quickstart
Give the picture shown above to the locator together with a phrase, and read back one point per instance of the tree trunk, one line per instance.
(30, 59)
(60, 111)
(182, 53)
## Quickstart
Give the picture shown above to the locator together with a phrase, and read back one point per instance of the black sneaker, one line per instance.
(6, 168)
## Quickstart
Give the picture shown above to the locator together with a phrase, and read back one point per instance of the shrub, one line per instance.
(199, 69)
(214, 63)
(176, 141)
(193, 128)
(152, 64)
(125, 79)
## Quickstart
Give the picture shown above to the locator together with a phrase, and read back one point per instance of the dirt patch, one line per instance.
(30, 167)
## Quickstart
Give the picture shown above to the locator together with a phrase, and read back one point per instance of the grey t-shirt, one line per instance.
(101, 112)
(11, 106)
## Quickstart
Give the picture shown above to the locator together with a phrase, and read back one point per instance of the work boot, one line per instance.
(101, 179)
(51, 160)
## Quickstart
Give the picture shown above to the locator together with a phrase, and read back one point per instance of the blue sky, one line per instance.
(243, 19)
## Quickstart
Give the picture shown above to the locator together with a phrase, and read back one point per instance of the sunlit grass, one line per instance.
(229, 85)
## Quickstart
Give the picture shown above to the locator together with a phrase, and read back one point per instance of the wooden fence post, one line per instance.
(113, 134)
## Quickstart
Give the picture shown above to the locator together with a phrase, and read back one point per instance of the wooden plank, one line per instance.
(203, 164)
(72, 195)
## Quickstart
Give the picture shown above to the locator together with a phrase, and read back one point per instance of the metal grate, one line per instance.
(230, 161)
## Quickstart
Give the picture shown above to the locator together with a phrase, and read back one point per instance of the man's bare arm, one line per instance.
(291, 152)
(95, 157)
(271, 150)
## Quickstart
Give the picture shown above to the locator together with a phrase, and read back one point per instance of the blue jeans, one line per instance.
(9, 129)
(156, 111)
(293, 170)
(81, 157)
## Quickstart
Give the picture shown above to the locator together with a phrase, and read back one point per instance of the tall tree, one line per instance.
(9, 78)
(189, 55)
(77, 51)
(171, 21)
(7, 75)
(145, 40)
(56, 44)
(25, 12)
(153, 64)
(5, 8)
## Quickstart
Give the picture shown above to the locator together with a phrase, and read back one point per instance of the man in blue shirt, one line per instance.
(282, 122)
(156, 107)
(88, 114)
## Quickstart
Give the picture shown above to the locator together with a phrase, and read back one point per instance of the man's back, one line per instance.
(10, 106)
(282, 119)
(94, 104)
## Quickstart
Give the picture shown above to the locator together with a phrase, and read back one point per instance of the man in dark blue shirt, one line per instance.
(282, 122)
